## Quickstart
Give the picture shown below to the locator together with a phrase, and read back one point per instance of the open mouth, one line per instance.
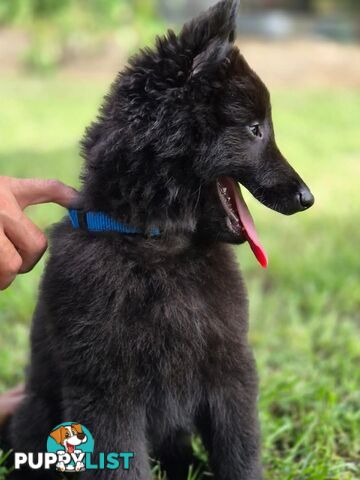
(238, 217)
(70, 448)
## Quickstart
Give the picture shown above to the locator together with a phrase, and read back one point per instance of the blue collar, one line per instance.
(101, 222)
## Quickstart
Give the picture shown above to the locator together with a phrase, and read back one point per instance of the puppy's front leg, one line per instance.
(229, 429)
(116, 428)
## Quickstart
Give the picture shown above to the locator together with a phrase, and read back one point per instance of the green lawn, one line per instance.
(305, 324)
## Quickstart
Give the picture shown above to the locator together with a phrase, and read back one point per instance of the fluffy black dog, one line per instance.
(143, 339)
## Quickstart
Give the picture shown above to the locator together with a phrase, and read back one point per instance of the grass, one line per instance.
(304, 310)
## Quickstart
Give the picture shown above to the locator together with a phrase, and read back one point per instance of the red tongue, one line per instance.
(71, 448)
(249, 226)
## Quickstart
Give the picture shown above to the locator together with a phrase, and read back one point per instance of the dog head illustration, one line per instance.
(69, 436)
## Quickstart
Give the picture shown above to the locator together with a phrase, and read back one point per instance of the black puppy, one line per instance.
(140, 333)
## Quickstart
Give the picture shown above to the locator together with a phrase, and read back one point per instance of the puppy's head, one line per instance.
(181, 126)
(69, 436)
(243, 145)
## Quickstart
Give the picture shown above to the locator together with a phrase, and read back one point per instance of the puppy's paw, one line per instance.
(60, 468)
(80, 467)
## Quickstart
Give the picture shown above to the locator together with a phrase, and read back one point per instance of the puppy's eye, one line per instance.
(67, 435)
(255, 130)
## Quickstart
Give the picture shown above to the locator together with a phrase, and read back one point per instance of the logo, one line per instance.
(70, 441)
(70, 448)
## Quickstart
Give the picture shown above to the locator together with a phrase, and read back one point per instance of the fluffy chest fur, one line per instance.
(141, 313)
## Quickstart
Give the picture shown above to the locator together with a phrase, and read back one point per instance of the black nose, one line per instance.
(305, 198)
(81, 436)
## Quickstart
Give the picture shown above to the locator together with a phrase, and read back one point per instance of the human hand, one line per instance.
(22, 243)
(9, 401)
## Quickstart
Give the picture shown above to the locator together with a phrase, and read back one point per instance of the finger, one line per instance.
(8, 405)
(16, 391)
(10, 261)
(31, 191)
(29, 241)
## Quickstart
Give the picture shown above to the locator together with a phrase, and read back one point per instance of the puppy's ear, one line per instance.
(211, 36)
(58, 435)
(77, 427)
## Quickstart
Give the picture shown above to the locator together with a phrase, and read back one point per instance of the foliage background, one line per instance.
(305, 309)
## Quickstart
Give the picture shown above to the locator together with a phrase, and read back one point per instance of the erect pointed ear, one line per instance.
(77, 427)
(211, 35)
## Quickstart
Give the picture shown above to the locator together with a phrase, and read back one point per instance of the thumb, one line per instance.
(32, 191)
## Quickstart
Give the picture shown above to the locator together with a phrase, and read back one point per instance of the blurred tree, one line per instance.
(333, 6)
(48, 8)
(9, 10)
(60, 29)
(353, 5)
(57, 27)
(304, 5)
(145, 8)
